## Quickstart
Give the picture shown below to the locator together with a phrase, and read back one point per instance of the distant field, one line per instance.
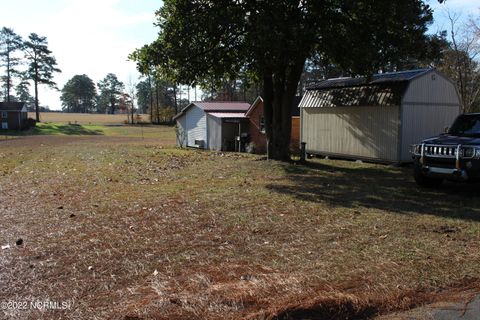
(84, 118)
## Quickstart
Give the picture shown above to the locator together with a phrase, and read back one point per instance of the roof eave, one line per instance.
(254, 105)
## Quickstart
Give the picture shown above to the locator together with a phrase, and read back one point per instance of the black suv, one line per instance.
(454, 155)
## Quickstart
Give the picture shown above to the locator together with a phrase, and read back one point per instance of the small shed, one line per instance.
(257, 125)
(219, 125)
(377, 119)
(13, 115)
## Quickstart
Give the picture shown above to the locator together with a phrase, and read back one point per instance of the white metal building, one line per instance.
(212, 125)
(377, 120)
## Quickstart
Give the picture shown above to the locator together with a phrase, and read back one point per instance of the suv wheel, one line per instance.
(424, 181)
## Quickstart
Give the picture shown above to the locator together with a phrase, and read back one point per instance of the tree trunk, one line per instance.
(279, 93)
(8, 74)
(37, 108)
(112, 106)
(158, 102)
(133, 122)
(175, 98)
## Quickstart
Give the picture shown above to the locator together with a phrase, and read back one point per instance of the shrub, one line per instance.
(31, 123)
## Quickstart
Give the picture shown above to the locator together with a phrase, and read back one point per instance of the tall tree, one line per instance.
(110, 93)
(10, 43)
(41, 65)
(144, 94)
(460, 60)
(131, 91)
(78, 94)
(274, 38)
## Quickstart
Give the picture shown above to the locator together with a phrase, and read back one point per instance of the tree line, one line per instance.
(79, 95)
(25, 62)
(156, 97)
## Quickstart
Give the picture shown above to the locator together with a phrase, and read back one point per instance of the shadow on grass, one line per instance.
(378, 187)
(56, 129)
(333, 310)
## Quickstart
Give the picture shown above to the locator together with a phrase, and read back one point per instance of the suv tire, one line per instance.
(424, 181)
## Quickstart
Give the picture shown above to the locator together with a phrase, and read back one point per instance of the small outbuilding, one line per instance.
(257, 125)
(377, 119)
(220, 126)
(13, 116)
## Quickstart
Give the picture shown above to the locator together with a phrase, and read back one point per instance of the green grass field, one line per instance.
(129, 227)
(65, 129)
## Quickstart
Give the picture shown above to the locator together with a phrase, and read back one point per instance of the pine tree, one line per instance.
(10, 43)
(42, 65)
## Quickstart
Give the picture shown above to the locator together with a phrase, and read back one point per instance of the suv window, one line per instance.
(466, 125)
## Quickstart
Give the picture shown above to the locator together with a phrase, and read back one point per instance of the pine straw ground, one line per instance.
(124, 228)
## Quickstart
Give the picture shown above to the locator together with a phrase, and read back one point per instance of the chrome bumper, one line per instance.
(455, 174)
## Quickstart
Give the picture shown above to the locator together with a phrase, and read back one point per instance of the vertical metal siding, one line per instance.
(214, 126)
(364, 132)
(430, 104)
(424, 121)
(182, 131)
(196, 124)
(431, 88)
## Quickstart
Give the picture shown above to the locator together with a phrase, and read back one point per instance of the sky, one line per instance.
(463, 8)
(95, 37)
(92, 37)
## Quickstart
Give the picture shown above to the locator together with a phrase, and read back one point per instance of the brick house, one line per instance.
(257, 125)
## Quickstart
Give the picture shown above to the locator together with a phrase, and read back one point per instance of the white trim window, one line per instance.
(262, 124)
(5, 125)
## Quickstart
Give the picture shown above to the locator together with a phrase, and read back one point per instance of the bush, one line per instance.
(31, 123)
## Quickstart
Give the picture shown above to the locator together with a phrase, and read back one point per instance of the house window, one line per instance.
(4, 114)
(4, 125)
(262, 124)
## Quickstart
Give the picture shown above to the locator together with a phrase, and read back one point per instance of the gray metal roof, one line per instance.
(373, 95)
(384, 89)
(390, 77)
(11, 106)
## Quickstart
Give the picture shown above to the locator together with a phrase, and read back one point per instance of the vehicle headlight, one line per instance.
(469, 152)
(416, 149)
(476, 153)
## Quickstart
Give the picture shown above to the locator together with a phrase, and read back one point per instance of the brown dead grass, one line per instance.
(134, 228)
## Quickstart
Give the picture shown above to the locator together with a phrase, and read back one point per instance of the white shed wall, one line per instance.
(196, 124)
(182, 131)
(363, 132)
(214, 126)
(431, 88)
(423, 121)
(430, 104)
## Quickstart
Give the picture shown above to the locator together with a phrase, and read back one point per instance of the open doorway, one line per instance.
(234, 135)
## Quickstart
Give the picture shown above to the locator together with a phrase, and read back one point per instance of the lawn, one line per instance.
(71, 129)
(125, 228)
